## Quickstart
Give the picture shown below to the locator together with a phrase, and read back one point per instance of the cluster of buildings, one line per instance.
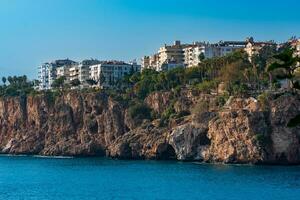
(104, 73)
(107, 73)
(190, 55)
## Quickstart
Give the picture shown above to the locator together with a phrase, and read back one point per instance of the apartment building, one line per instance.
(171, 54)
(150, 62)
(145, 62)
(253, 48)
(43, 76)
(154, 61)
(195, 53)
(108, 73)
(188, 55)
(48, 72)
(74, 73)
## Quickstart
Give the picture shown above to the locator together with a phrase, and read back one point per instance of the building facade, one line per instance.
(48, 72)
(194, 54)
(108, 73)
(253, 48)
(188, 55)
(145, 62)
(84, 71)
(171, 54)
(43, 76)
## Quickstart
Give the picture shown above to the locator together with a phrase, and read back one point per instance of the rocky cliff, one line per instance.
(79, 124)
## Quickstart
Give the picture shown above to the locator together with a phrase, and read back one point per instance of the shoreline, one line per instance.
(152, 160)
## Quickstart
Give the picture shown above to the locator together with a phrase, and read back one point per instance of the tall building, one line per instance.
(43, 76)
(74, 73)
(63, 71)
(108, 73)
(48, 72)
(83, 73)
(194, 54)
(171, 53)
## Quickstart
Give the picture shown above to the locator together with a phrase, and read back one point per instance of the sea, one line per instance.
(59, 178)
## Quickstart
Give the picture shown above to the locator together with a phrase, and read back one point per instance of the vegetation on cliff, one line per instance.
(232, 75)
(204, 113)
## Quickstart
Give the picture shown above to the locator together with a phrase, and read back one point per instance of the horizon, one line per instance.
(129, 29)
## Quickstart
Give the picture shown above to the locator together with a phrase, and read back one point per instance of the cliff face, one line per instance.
(243, 131)
(73, 125)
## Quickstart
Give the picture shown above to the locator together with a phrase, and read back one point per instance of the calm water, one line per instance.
(50, 178)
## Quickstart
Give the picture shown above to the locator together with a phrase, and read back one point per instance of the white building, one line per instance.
(48, 72)
(64, 71)
(108, 73)
(43, 76)
(194, 54)
(84, 71)
(188, 55)
(74, 73)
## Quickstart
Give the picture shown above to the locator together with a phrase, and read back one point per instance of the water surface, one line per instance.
(96, 178)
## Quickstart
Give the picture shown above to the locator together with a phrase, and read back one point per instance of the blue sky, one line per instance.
(36, 31)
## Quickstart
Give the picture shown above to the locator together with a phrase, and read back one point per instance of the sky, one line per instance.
(36, 31)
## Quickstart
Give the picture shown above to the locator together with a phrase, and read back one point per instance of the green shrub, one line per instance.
(169, 112)
(238, 89)
(201, 107)
(207, 86)
(221, 100)
(263, 100)
(262, 139)
(139, 111)
(51, 96)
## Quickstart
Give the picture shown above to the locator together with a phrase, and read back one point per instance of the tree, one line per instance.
(265, 55)
(91, 82)
(36, 82)
(75, 83)
(102, 79)
(286, 65)
(201, 56)
(139, 111)
(4, 80)
(18, 85)
(59, 82)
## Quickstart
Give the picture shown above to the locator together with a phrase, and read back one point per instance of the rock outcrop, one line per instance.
(73, 125)
(93, 124)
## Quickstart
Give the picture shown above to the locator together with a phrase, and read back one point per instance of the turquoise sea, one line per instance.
(24, 177)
